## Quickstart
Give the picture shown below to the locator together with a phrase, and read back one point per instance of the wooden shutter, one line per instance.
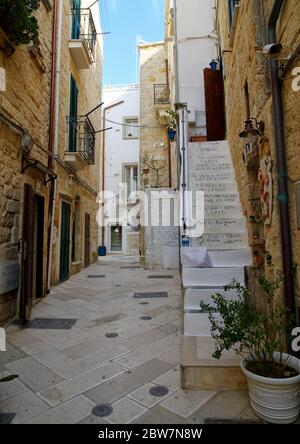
(73, 115)
(76, 6)
(214, 101)
(28, 253)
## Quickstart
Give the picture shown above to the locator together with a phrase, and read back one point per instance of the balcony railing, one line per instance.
(82, 138)
(83, 28)
(161, 94)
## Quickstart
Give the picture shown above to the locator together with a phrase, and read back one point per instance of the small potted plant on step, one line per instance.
(260, 337)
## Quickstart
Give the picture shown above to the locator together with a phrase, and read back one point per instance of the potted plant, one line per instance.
(259, 336)
(172, 124)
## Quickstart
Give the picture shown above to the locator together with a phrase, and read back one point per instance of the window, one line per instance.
(131, 179)
(131, 129)
(76, 13)
(231, 8)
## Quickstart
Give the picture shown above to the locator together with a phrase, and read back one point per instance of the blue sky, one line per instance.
(128, 20)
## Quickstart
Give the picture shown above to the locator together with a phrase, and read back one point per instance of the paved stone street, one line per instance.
(91, 343)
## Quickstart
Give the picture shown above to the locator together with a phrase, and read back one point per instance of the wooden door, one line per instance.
(28, 253)
(65, 242)
(214, 100)
(87, 240)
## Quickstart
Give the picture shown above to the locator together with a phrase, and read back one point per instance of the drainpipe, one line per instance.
(54, 123)
(286, 245)
(107, 108)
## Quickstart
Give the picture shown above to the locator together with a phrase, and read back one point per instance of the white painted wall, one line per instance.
(196, 49)
(119, 151)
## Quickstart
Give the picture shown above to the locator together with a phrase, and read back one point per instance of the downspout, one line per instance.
(54, 124)
(169, 141)
(177, 92)
(286, 245)
(107, 108)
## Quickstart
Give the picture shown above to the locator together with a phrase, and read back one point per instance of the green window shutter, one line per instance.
(73, 115)
(76, 6)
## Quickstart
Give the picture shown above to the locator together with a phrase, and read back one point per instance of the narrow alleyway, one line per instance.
(96, 341)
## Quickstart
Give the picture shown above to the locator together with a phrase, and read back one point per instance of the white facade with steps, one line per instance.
(210, 170)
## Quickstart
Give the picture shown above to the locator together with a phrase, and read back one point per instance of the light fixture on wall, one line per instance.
(117, 230)
(251, 134)
(27, 142)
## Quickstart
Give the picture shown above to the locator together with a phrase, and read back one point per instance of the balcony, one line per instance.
(82, 44)
(81, 149)
(161, 94)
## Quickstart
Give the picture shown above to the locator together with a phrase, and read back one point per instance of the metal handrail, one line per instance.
(83, 28)
(82, 138)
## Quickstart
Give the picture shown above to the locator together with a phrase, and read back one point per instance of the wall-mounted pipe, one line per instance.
(54, 124)
(286, 245)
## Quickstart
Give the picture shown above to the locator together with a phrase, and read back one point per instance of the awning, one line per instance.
(30, 162)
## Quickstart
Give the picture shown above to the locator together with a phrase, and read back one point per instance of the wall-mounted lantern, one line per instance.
(251, 134)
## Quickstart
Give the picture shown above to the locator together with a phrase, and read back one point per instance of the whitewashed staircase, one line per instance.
(225, 236)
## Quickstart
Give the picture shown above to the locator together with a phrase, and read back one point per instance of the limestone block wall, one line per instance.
(78, 189)
(244, 62)
(153, 135)
(25, 103)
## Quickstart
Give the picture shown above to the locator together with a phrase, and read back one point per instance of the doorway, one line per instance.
(33, 251)
(116, 239)
(65, 241)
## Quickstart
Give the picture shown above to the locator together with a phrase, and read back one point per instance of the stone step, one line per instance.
(231, 258)
(211, 187)
(198, 324)
(211, 277)
(200, 371)
(215, 226)
(224, 241)
(193, 297)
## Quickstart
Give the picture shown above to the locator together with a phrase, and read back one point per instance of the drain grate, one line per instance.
(150, 295)
(6, 418)
(146, 318)
(161, 277)
(144, 303)
(112, 335)
(159, 391)
(130, 268)
(51, 324)
(96, 276)
(103, 410)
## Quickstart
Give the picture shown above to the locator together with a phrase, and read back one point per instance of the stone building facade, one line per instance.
(28, 167)
(24, 116)
(78, 176)
(243, 33)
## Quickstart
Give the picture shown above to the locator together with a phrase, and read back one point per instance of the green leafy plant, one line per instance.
(17, 20)
(172, 119)
(253, 333)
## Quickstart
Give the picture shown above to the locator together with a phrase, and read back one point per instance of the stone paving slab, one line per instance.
(23, 406)
(89, 347)
(171, 379)
(143, 396)
(185, 403)
(12, 353)
(75, 386)
(88, 362)
(125, 411)
(35, 375)
(71, 412)
(46, 354)
(12, 388)
(127, 382)
(159, 415)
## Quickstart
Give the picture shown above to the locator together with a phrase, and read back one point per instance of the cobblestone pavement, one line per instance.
(94, 353)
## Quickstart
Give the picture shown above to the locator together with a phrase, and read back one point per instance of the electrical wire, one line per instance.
(131, 126)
